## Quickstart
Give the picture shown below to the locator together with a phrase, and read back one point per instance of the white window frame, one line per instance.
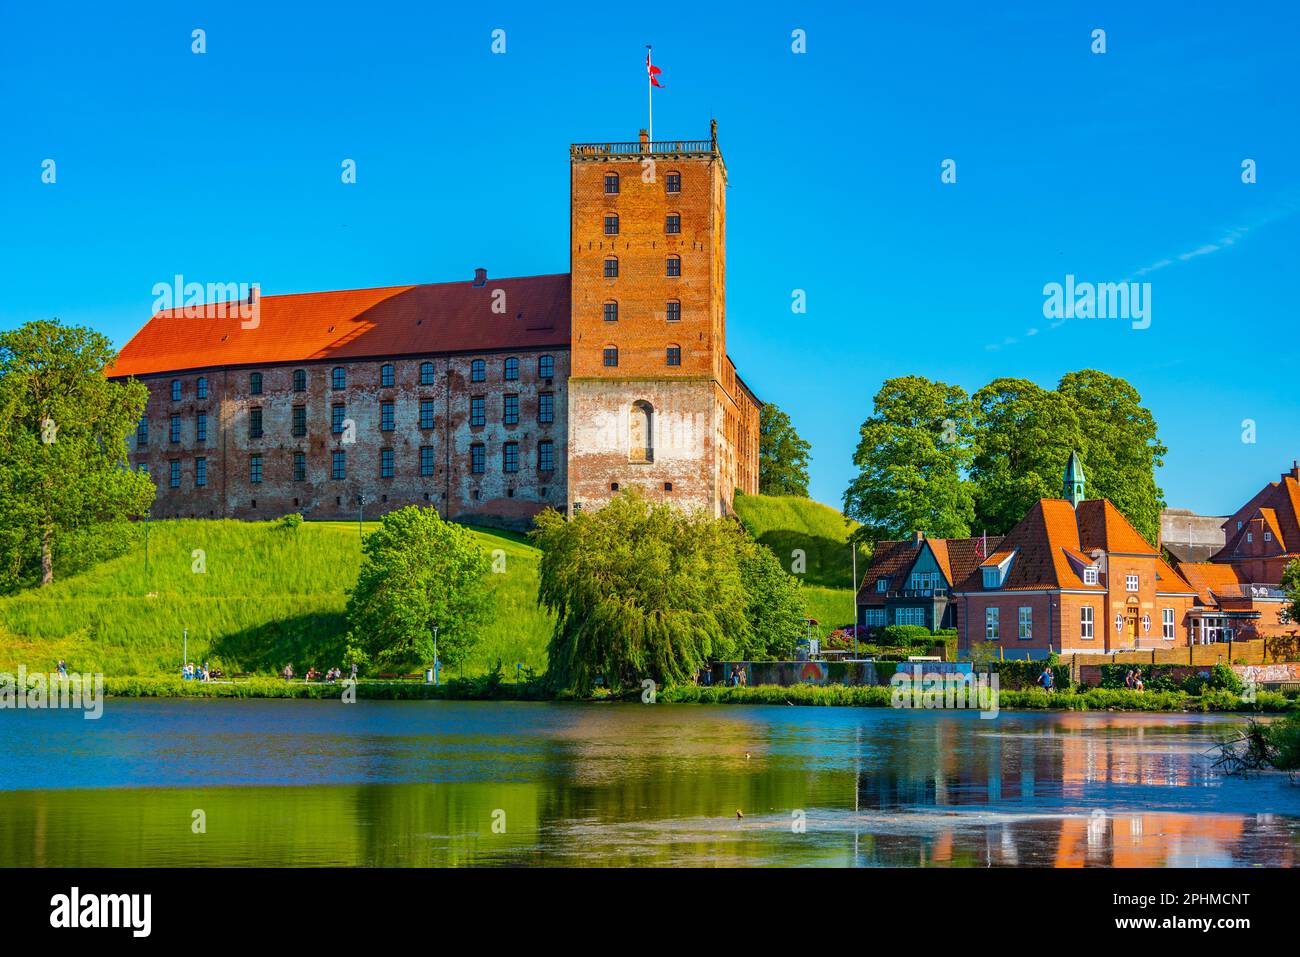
(1025, 625)
(1268, 536)
(1168, 629)
(882, 584)
(1132, 583)
(1090, 575)
(991, 632)
(1087, 623)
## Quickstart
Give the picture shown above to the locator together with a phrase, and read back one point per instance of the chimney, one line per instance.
(480, 276)
(1295, 470)
(918, 538)
(645, 140)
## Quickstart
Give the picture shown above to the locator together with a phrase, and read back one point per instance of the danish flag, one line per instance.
(652, 71)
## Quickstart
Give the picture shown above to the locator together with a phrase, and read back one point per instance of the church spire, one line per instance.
(1074, 480)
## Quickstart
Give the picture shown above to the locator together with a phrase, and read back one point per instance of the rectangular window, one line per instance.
(990, 624)
(175, 434)
(674, 311)
(337, 413)
(477, 458)
(1130, 582)
(201, 387)
(426, 413)
(254, 423)
(200, 472)
(611, 312)
(1167, 623)
(611, 182)
(546, 367)
(611, 225)
(1087, 623)
(545, 456)
(299, 420)
(611, 268)
(674, 355)
(142, 433)
(611, 358)
(546, 407)
(300, 466)
(255, 468)
(1090, 576)
(510, 414)
(339, 465)
(201, 427)
(174, 476)
(477, 410)
(510, 457)
(255, 383)
(338, 378)
(386, 377)
(176, 390)
(674, 266)
(478, 371)
(673, 224)
(909, 616)
(426, 460)
(673, 183)
(386, 416)
(1026, 623)
(512, 369)
(385, 463)
(874, 617)
(426, 373)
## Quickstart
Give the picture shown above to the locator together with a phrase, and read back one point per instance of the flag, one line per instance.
(982, 547)
(652, 71)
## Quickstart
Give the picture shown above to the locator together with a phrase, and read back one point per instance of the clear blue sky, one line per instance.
(225, 167)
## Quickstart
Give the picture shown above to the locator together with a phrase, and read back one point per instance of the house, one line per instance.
(909, 582)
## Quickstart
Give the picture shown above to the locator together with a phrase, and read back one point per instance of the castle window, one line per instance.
(255, 383)
(611, 225)
(673, 183)
(668, 486)
(299, 380)
(426, 413)
(426, 373)
(546, 407)
(478, 371)
(201, 427)
(176, 390)
(477, 410)
(545, 367)
(640, 432)
(611, 268)
(426, 460)
(142, 433)
(338, 378)
(386, 416)
(673, 309)
(337, 413)
(200, 472)
(611, 357)
(386, 376)
(512, 369)
(175, 435)
(674, 356)
(510, 410)
(510, 457)
(254, 423)
(611, 183)
(201, 387)
(300, 466)
(385, 463)
(673, 224)
(299, 421)
(255, 469)
(174, 473)
(674, 266)
(546, 456)
(338, 465)
(477, 458)
(611, 312)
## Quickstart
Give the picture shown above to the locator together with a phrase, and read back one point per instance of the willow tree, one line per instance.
(640, 591)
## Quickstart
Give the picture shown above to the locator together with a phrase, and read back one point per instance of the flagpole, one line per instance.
(649, 96)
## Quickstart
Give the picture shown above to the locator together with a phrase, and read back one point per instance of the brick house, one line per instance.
(490, 399)
(909, 582)
(1073, 576)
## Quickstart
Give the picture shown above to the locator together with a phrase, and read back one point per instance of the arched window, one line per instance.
(426, 373)
(512, 369)
(674, 267)
(611, 224)
(545, 367)
(478, 371)
(299, 380)
(611, 311)
(386, 376)
(640, 432)
(201, 388)
(673, 355)
(673, 310)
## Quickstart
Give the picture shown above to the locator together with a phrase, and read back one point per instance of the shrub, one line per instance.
(905, 636)
(289, 522)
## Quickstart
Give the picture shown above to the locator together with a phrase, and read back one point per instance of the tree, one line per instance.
(66, 491)
(1120, 446)
(418, 572)
(1291, 588)
(775, 610)
(911, 457)
(1022, 439)
(782, 455)
(639, 590)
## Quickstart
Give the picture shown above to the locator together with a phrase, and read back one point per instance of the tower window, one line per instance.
(337, 413)
(200, 472)
(299, 380)
(611, 268)
(673, 183)
(386, 376)
(512, 369)
(545, 367)
(611, 183)
(201, 427)
(674, 266)
(611, 225)
(510, 457)
(426, 373)
(611, 357)
(175, 435)
(545, 456)
(478, 371)
(201, 387)
(254, 423)
(299, 421)
(385, 463)
(338, 378)
(255, 383)
(477, 458)
(300, 466)
(255, 469)
(510, 410)
(426, 413)
(477, 410)
(142, 433)
(174, 475)
(611, 312)
(176, 390)
(386, 414)
(546, 407)
(339, 465)
(426, 460)
(674, 355)
(673, 310)
(673, 224)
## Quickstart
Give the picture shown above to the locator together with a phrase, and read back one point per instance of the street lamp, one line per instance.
(436, 664)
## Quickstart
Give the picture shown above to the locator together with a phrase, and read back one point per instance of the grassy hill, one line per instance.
(785, 523)
(268, 595)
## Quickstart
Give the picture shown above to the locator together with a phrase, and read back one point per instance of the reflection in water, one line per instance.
(438, 783)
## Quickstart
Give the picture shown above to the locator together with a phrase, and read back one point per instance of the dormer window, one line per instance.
(1090, 575)
(882, 584)
(992, 577)
(996, 575)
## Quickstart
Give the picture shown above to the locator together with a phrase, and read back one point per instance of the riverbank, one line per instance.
(487, 689)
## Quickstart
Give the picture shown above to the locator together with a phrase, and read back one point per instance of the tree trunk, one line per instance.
(47, 557)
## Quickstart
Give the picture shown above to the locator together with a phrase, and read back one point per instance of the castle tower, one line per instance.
(1073, 491)
(654, 401)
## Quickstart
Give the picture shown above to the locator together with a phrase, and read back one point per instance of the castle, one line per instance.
(488, 399)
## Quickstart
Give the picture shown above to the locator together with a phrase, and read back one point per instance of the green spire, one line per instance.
(1074, 480)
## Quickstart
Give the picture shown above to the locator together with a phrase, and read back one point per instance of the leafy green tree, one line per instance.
(1022, 438)
(417, 572)
(776, 607)
(1291, 588)
(66, 492)
(1120, 446)
(782, 455)
(911, 458)
(638, 590)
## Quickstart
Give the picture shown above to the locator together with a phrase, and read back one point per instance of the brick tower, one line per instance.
(654, 400)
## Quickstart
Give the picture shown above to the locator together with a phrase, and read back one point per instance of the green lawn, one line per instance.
(268, 595)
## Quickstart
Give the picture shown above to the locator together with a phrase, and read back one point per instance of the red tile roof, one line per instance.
(891, 560)
(1277, 506)
(1101, 525)
(357, 323)
(1206, 577)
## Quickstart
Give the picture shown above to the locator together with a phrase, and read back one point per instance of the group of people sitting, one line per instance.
(332, 675)
(191, 673)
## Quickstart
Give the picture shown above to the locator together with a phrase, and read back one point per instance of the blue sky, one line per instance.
(225, 167)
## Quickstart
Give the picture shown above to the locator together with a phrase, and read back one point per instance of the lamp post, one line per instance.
(185, 648)
(436, 663)
(854, 548)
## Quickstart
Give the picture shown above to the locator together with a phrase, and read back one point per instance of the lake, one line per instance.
(457, 783)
